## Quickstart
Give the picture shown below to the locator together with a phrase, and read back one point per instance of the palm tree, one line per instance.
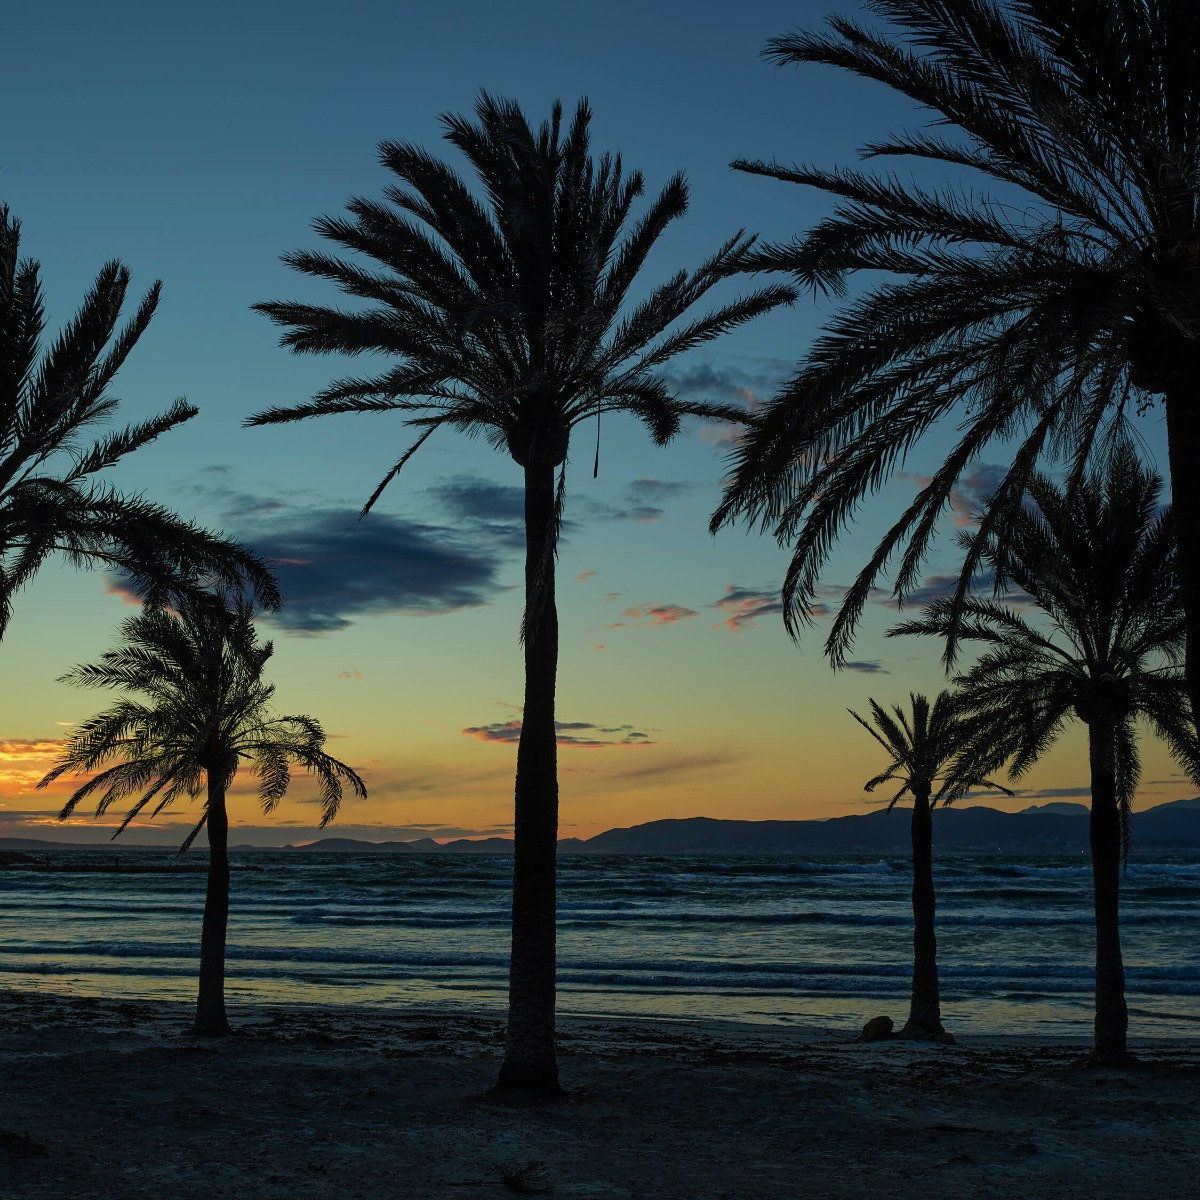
(511, 318)
(1099, 562)
(935, 759)
(1033, 316)
(50, 398)
(205, 713)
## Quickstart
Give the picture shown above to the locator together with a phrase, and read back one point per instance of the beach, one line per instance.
(109, 1098)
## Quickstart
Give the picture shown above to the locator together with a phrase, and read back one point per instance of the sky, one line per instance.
(196, 144)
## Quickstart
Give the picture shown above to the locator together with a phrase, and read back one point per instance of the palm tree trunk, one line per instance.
(1183, 446)
(1104, 825)
(530, 1064)
(925, 1007)
(210, 1005)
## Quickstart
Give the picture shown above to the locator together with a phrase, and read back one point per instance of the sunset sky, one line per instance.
(197, 147)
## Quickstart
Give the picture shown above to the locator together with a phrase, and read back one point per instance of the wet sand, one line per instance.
(111, 1099)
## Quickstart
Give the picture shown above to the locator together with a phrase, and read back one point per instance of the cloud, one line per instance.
(353, 673)
(489, 509)
(729, 383)
(599, 646)
(609, 597)
(123, 592)
(584, 576)
(720, 433)
(972, 489)
(27, 816)
(641, 500)
(653, 615)
(942, 587)
(580, 734)
(333, 568)
(1051, 793)
(741, 607)
(43, 824)
(430, 779)
(869, 666)
(23, 762)
(664, 768)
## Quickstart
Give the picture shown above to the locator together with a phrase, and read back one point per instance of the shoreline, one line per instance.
(110, 1098)
(250, 1015)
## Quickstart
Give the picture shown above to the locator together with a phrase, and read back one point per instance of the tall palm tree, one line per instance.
(1033, 315)
(510, 317)
(1099, 562)
(935, 757)
(200, 711)
(51, 397)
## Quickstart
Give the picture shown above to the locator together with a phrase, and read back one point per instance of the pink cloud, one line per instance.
(653, 615)
(974, 486)
(743, 607)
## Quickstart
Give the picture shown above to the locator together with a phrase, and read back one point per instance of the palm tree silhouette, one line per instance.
(1036, 318)
(1099, 561)
(204, 713)
(49, 401)
(936, 759)
(512, 319)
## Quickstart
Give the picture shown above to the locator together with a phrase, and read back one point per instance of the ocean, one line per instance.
(812, 941)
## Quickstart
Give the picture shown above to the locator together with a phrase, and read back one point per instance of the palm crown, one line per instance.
(511, 317)
(206, 713)
(1098, 559)
(934, 749)
(1037, 317)
(49, 401)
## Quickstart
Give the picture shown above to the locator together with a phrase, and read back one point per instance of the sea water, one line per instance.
(806, 940)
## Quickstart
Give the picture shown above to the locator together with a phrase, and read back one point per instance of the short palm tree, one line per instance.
(1098, 561)
(50, 398)
(511, 317)
(935, 759)
(1033, 316)
(200, 711)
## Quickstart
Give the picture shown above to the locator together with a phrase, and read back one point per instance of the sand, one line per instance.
(110, 1099)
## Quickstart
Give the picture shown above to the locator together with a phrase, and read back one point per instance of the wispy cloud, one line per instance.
(651, 616)
(486, 509)
(869, 666)
(661, 768)
(23, 762)
(974, 486)
(742, 607)
(748, 384)
(580, 734)
(641, 500)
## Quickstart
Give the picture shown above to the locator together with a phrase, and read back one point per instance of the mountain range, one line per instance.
(1053, 826)
(1046, 827)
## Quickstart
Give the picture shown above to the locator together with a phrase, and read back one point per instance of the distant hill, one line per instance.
(1064, 808)
(1043, 827)
(1046, 827)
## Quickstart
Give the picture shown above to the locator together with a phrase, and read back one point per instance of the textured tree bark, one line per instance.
(1183, 447)
(1112, 1018)
(925, 1007)
(530, 1064)
(211, 1020)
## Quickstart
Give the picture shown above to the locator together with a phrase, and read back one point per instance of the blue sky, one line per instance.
(198, 145)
